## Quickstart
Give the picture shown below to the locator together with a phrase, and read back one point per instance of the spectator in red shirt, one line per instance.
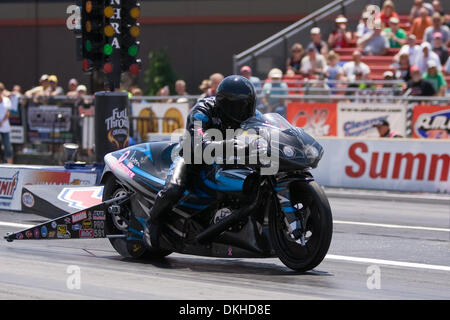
(387, 12)
(340, 38)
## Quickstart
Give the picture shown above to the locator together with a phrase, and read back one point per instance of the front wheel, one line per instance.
(117, 224)
(307, 254)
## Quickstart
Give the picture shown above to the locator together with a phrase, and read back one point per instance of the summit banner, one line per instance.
(357, 119)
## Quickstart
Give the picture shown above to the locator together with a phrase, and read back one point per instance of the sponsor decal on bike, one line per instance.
(87, 224)
(19, 236)
(86, 233)
(99, 225)
(77, 217)
(98, 215)
(62, 233)
(51, 234)
(28, 200)
(36, 233)
(76, 227)
(53, 225)
(44, 232)
(29, 234)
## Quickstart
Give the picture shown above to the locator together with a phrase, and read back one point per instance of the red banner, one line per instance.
(318, 119)
(431, 122)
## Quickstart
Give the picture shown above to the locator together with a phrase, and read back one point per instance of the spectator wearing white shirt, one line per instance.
(351, 67)
(411, 48)
(426, 55)
(313, 63)
(5, 127)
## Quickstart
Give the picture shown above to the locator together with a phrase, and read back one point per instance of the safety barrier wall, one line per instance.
(386, 164)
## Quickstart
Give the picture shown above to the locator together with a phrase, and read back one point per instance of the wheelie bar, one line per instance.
(84, 224)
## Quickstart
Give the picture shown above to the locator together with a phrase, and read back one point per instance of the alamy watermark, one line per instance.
(73, 281)
(374, 279)
(241, 147)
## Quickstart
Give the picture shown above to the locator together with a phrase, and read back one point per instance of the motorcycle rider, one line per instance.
(235, 102)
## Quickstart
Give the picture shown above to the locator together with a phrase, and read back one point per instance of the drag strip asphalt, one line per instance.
(406, 245)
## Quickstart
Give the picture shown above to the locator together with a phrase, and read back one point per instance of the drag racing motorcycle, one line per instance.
(231, 211)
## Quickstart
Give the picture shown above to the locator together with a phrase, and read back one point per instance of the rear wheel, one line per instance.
(117, 224)
(319, 229)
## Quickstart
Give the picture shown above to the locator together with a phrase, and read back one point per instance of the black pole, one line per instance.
(112, 126)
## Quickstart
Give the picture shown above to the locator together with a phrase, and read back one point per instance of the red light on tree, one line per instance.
(134, 69)
(108, 67)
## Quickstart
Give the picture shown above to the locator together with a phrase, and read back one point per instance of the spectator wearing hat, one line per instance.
(246, 72)
(437, 26)
(387, 12)
(426, 55)
(340, 37)
(396, 36)
(40, 89)
(420, 24)
(5, 127)
(418, 86)
(72, 86)
(316, 40)
(412, 49)
(436, 78)
(356, 64)
(439, 48)
(54, 89)
(362, 28)
(374, 43)
(313, 63)
(390, 88)
(385, 131)
(274, 86)
(294, 61)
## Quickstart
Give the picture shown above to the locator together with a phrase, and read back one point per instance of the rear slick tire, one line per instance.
(319, 224)
(132, 249)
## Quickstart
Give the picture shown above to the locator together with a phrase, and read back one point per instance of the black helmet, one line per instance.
(235, 100)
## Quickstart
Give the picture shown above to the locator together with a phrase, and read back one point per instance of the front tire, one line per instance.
(133, 249)
(319, 228)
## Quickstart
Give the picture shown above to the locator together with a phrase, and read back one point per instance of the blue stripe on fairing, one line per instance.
(201, 116)
(227, 184)
(288, 209)
(148, 152)
(142, 221)
(133, 238)
(145, 174)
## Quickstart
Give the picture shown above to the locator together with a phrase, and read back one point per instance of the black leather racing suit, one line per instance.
(202, 117)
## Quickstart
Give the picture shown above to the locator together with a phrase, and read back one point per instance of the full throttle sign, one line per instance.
(118, 128)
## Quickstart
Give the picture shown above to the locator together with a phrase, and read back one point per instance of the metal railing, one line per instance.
(273, 51)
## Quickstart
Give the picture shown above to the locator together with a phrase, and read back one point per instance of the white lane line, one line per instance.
(395, 226)
(388, 262)
(15, 225)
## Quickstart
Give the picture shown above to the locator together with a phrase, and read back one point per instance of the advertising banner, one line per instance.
(357, 120)
(14, 177)
(49, 124)
(386, 164)
(317, 119)
(431, 122)
(150, 118)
